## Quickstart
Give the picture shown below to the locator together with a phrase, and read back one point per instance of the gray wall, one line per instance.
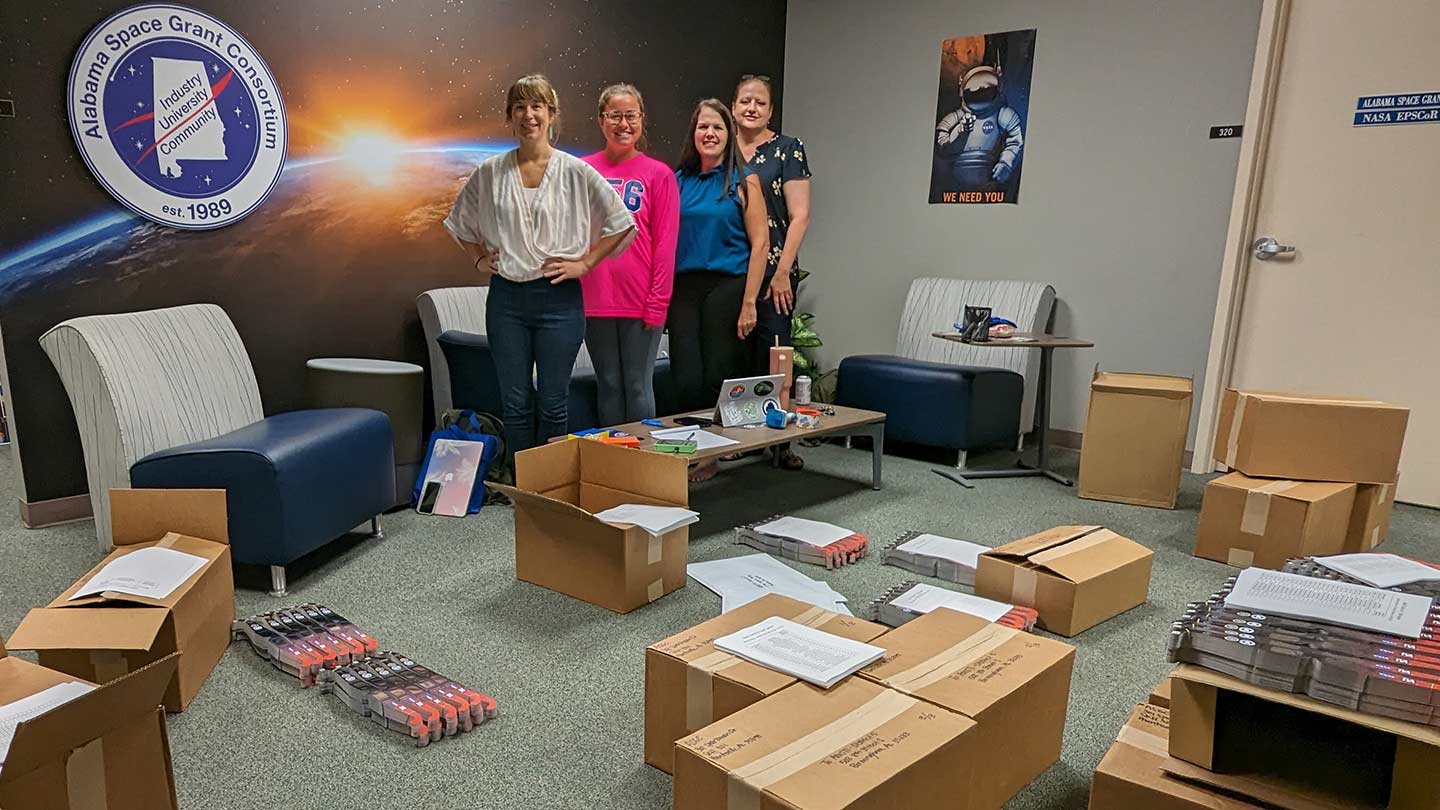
(1124, 201)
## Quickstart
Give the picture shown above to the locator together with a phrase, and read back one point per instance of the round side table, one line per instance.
(395, 388)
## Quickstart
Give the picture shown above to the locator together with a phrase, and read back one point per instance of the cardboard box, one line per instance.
(858, 745)
(105, 749)
(689, 684)
(560, 545)
(1295, 752)
(1310, 438)
(1134, 442)
(1370, 519)
(1013, 684)
(102, 637)
(1160, 696)
(1132, 774)
(1263, 522)
(1075, 576)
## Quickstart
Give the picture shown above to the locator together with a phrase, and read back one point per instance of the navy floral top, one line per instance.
(777, 162)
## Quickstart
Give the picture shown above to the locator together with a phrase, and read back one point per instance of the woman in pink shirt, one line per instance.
(626, 296)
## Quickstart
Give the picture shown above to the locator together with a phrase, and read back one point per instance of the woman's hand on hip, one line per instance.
(746, 324)
(781, 294)
(557, 269)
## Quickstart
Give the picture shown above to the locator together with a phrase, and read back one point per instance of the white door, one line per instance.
(1356, 309)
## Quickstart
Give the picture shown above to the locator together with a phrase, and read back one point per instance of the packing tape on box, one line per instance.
(656, 590)
(941, 666)
(700, 674)
(653, 550)
(85, 777)
(1387, 491)
(1085, 541)
(109, 665)
(1232, 442)
(1257, 506)
(1022, 587)
(746, 783)
(1144, 740)
(1240, 557)
(1374, 537)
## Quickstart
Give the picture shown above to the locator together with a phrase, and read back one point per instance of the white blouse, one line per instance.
(573, 208)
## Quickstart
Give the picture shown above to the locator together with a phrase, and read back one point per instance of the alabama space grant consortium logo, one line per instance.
(177, 116)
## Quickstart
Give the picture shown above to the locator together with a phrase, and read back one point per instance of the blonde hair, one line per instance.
(535, 87)
(625, 89)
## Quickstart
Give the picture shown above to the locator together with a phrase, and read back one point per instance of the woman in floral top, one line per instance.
(784, 172)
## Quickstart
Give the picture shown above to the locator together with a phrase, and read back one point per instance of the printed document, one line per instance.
(741, 580)
(656, 520)
(1358, 606)
(924, 598)
(804, 652)
(704, 439)
(811, 532)
(152, 572)
(957, 551)
(1380, 570)
(28, 708)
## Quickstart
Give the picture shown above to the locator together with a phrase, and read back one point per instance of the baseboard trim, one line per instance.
(54, 512)
(1070, 440)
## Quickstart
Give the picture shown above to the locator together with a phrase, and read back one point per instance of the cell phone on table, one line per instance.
(696, 421)
(428, 497)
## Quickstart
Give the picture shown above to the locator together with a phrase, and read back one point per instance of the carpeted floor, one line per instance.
(569, 676)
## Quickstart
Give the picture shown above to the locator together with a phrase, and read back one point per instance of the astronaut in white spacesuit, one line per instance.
(970, 138)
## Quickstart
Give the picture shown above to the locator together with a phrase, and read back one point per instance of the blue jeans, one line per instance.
(535, 331)
(623, 353)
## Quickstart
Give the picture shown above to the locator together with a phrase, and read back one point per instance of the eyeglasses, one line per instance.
(753, 76)
(629, 117)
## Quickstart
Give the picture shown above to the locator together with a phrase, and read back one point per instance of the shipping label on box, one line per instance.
(106, 635)
(1134, 440)
(858, 744)
(1075, 576)
(1262, 522)
(107, 748)
(561, 545)
(1013, 684)
(689, 684)
(1310, 438)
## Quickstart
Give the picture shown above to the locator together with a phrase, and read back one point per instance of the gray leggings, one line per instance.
(623, 352)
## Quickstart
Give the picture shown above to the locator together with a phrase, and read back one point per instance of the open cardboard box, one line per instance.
(1264, 522)
(102, 637)
(1075, 576)
(689, 684)
(105, 750)
(561, 545)
(1294, 752)
(1014, 685)
(856, 745)
(1310, 437)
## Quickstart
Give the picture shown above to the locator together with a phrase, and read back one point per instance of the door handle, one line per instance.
(1266, 248)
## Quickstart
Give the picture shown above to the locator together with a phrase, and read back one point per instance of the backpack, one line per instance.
(469, 426)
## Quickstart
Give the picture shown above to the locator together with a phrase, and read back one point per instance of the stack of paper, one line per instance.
(807, 541)
(1389, 571)
(741, 580)
(1363, 648)
(931, 555)
(704, 439)
(153, 572)
(912, 599)
(31, 707)
(656, 520)
(804, 652)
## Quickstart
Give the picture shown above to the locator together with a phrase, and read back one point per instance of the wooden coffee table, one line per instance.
(846, 422)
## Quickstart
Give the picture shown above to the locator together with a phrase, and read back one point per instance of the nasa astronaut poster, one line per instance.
(982, 117)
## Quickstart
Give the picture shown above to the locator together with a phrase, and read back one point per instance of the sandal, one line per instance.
(742, 455)
(704, 471)
(789, 460)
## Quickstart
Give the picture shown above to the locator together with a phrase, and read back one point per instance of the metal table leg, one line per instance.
(877, 453)
(1042, 450)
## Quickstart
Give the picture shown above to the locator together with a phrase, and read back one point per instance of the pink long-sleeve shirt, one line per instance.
(638, 282)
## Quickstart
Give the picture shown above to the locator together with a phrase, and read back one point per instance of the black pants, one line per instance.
(769, 325)
(704, 348)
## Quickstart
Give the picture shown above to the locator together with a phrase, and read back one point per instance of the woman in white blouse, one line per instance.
(533, 221)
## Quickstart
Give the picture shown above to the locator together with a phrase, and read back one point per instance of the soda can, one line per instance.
(802, 390)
